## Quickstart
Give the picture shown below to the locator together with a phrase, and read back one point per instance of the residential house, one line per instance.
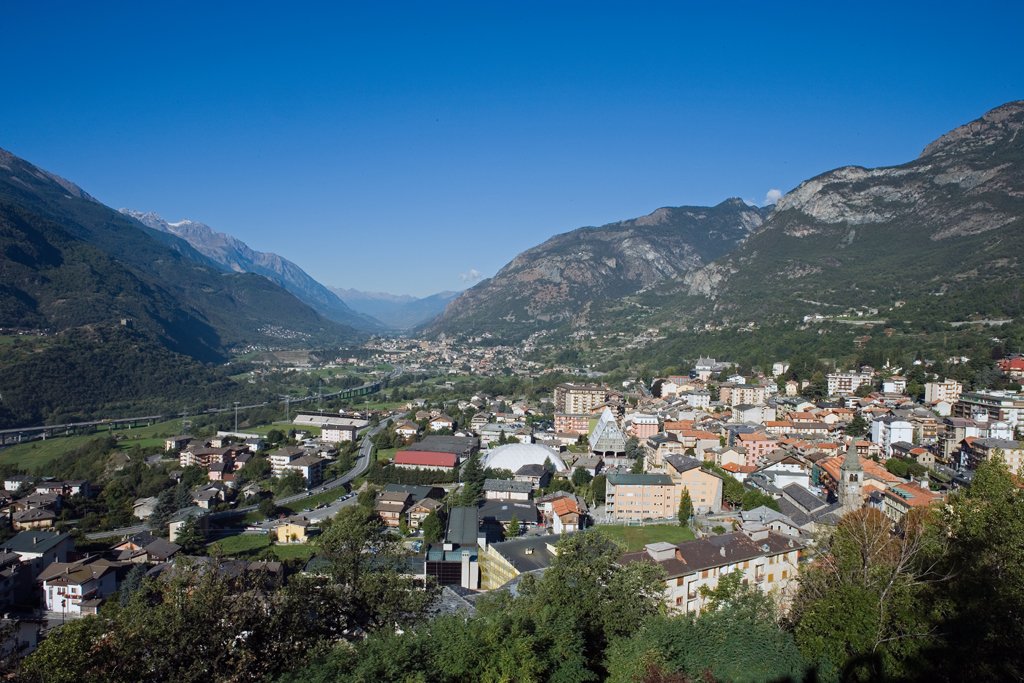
(294, 529)
(420, 510)
(35, 518)
(180, 518)
(537, 475)
(442, 422)
(507, 489)
(565, 516)
(391, 506)
(143, 548)
(408, 429)
(661, 446)
(900, 499)
(1012, 453)
(757, 445)
(78, 587)
(38, 549)
(765, 559)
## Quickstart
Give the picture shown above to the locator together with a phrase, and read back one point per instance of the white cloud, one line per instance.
(471, 275)
(772, 196)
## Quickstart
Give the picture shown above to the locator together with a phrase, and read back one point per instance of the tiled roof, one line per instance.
(425, 458)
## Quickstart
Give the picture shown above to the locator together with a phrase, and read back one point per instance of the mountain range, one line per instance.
(397, 311)
(937, 238)
(101, 310)
(234, 255)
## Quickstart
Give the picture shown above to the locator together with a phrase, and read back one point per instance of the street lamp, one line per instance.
(236, 417)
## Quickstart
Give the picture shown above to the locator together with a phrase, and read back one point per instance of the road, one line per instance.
(361, 465)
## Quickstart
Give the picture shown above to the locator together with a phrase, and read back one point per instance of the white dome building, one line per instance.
(514, 455)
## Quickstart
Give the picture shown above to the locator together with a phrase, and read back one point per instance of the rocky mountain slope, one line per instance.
(941, 237)
(563, 280)
(399, 312)
(937, 239)
(234, 255)
(120, 312)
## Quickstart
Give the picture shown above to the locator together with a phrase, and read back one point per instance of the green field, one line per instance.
(34, 456)
(636, 537)
(251, 545)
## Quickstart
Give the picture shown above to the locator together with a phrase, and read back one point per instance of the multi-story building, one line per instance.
(954, 431)
(1012, 452)
(1001, 406)
(501, 562)
(886, 431)
(900, 499)
(704, 487)
(579, 398)
(640, 496)
(841, 383)
(77, 587)
(739, 394)
(946, 390)
(641, 425)
(573, 423)
(765, 559)
(282, 457)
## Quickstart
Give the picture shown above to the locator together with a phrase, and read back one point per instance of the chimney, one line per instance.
(722, 551)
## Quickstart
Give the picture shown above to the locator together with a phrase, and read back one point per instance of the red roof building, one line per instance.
(432, 460)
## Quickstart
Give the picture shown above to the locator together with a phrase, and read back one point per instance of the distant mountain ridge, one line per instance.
(398, 311)
(235, 255)
(940, 237)
(943, 234)
(112, 312)
(563, 280)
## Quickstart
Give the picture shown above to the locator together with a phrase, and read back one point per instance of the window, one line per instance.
(704, 574)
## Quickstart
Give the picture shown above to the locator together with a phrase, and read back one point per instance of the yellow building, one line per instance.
(294, 529)
(504, 561)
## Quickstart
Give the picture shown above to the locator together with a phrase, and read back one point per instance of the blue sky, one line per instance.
(412, 147)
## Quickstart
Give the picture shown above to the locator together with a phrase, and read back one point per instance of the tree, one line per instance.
(858, 426)
(638, 466)
(597, 487)
(368, 497)
(190, 537)
(368, 562)
(735, 638)
(586, 599)
(289, 483)
(685, 508)
(267, 507)
(753, 499)
(432, 529)
(473, 477)
(877, 581)
(980, 546)
(581, 477)
(163, 510)
(514, 529)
